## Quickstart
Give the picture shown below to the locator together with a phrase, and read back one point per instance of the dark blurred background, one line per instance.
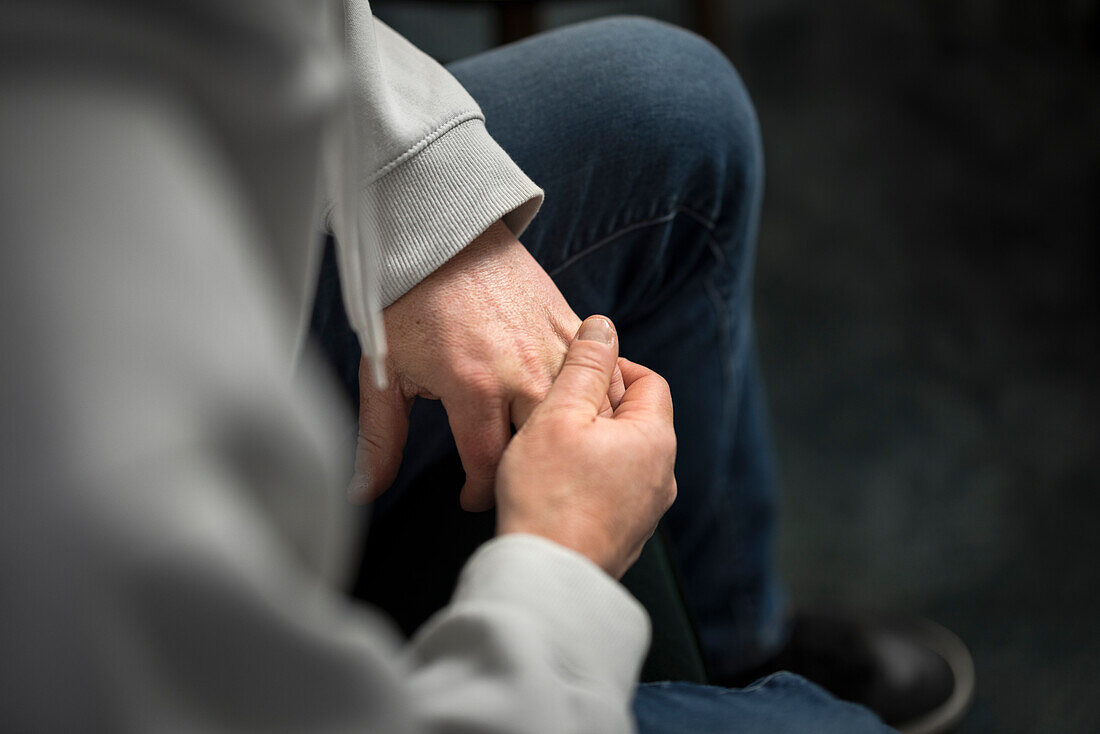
(928, 309)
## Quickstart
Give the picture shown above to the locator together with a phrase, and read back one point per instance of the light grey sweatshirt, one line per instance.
(173, 529)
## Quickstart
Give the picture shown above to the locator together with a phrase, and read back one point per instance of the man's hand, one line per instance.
(486, 333)
(593, 483)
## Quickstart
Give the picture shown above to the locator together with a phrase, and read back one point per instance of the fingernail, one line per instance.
(596, 329)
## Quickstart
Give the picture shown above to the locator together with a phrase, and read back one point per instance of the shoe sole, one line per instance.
(947, 715)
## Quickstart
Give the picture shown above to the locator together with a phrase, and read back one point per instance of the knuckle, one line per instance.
(662, 443)
(668, 443)
(536, 360)
(671, 490)
(565, 327)
(534, 390)
(478, 384)
(665, 390)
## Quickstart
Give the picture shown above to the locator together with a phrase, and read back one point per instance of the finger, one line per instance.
(586, 373)
(614, 394)
(383, 429)
(647, 396)
(481, 432)
(617, 388)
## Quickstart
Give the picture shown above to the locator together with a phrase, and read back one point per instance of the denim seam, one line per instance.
(731, 378)
(707, 224)
(728, 375)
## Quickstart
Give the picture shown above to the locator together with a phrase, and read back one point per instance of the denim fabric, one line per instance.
(648, 148)
(647, 145)
(782, 703)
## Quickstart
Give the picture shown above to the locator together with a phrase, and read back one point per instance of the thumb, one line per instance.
(586, 374)
(383, 429)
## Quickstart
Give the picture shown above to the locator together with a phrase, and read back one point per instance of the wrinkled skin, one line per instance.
(593, 482)
(486, 333)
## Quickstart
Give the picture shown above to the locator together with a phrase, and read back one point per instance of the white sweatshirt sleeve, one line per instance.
(170, 496)
(429, 170)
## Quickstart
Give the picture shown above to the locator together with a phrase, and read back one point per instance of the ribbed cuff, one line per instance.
(600, 631)
(438, 201)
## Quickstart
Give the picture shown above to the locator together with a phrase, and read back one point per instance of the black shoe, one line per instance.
(917, 676)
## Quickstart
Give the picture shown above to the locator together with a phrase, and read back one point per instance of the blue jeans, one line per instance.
(782, 703)
(647, 145)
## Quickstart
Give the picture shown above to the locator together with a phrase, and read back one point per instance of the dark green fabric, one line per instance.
(674, 653)
(413, 556)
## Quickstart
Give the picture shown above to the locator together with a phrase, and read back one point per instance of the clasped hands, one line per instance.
(490, 335)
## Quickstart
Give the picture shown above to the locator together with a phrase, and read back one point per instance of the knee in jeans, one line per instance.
(672, 95)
